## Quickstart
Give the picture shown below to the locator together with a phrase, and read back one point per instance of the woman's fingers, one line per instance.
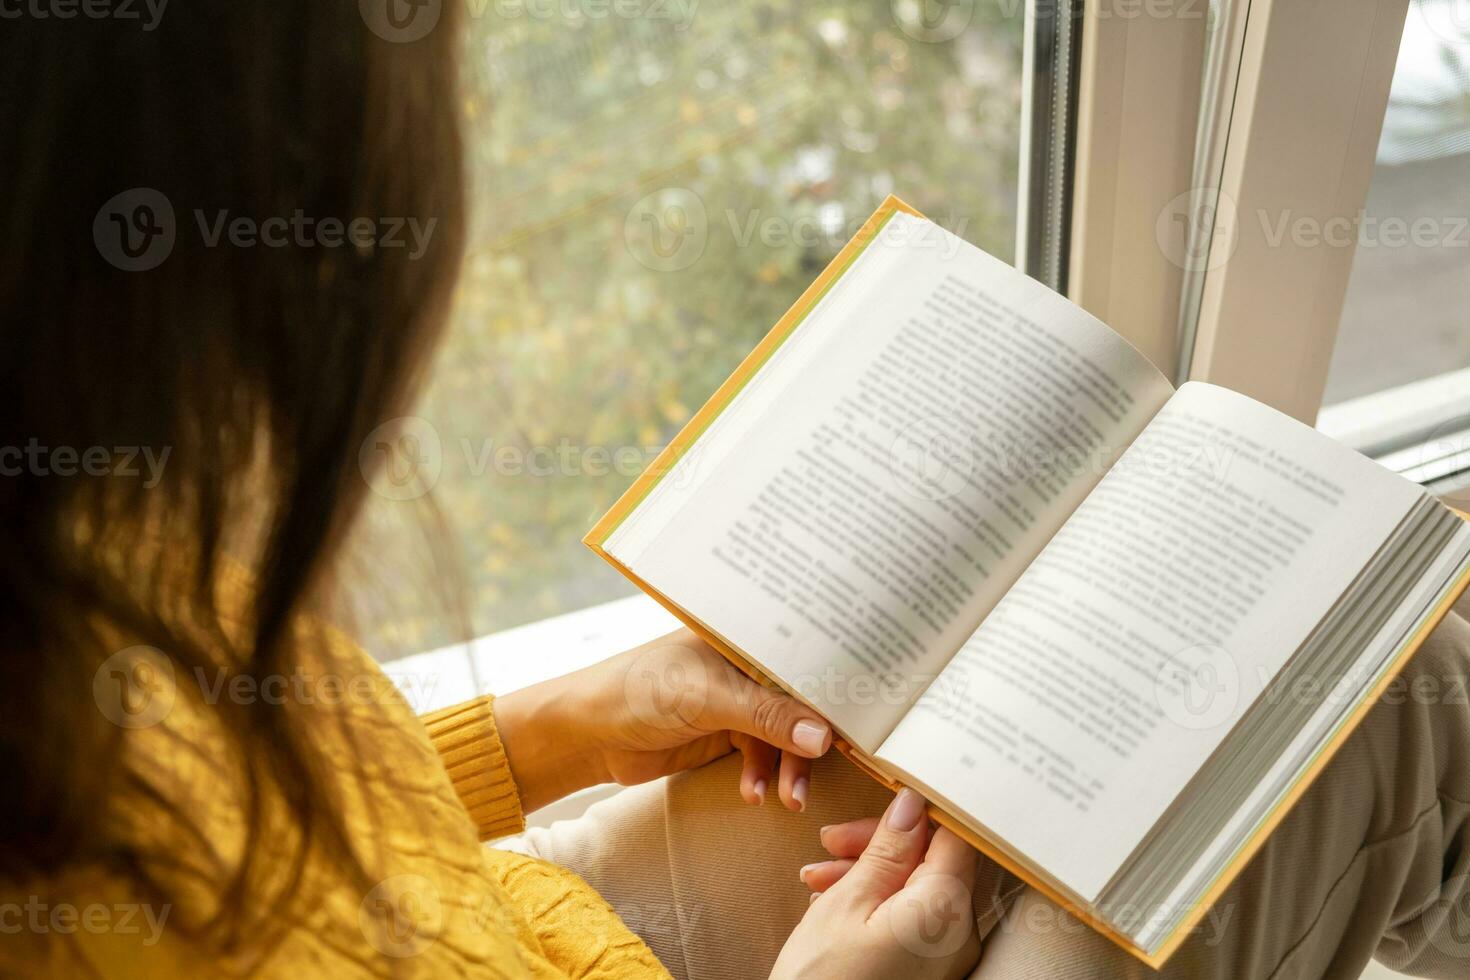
(756, 775)
(949, 857)
(824, 874)
(796, 775)
(739, 704)
(847, 840)
(896, 849)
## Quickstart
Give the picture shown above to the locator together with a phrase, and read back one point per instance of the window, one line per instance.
(650, 193)
(1400, 371)
(1407, 313)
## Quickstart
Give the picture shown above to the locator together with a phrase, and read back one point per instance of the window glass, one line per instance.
(1407, 311)
(654, 182)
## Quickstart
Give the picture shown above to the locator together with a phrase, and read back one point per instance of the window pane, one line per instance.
(1407, 312)
(651, 193)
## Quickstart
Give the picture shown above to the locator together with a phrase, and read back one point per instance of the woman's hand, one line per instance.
(894, 902)
(668, 705)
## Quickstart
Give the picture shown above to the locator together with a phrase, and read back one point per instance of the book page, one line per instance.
(1156, 616)
(877, 487)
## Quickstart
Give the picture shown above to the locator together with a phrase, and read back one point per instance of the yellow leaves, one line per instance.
(769, 272)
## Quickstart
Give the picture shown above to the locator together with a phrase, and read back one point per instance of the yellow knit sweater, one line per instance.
(423, 794)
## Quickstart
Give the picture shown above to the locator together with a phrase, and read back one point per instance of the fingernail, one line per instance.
(798, 792)
(815, 896)
(806, 869)
(760, 792)
(905, 811)
(810, 737)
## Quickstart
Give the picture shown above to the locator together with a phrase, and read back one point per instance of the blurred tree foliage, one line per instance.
(574, 352)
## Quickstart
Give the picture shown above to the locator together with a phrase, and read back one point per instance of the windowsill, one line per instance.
(515, 658)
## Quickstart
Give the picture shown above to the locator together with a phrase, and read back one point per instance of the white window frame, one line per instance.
(1266, 107)
(1303, 137)
(1137, 110)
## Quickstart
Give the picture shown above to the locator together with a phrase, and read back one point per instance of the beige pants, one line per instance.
(1374, 861)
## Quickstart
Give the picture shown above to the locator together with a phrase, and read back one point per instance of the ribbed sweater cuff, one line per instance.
(469, 745)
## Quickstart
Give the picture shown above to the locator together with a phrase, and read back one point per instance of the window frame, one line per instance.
(1303, 137)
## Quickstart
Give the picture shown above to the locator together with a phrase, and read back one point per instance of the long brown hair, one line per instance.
(137, 318)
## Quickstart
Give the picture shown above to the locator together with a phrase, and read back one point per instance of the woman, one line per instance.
(209, 781)
(200, 789)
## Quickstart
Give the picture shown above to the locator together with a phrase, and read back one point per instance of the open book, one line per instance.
(1111, 629)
